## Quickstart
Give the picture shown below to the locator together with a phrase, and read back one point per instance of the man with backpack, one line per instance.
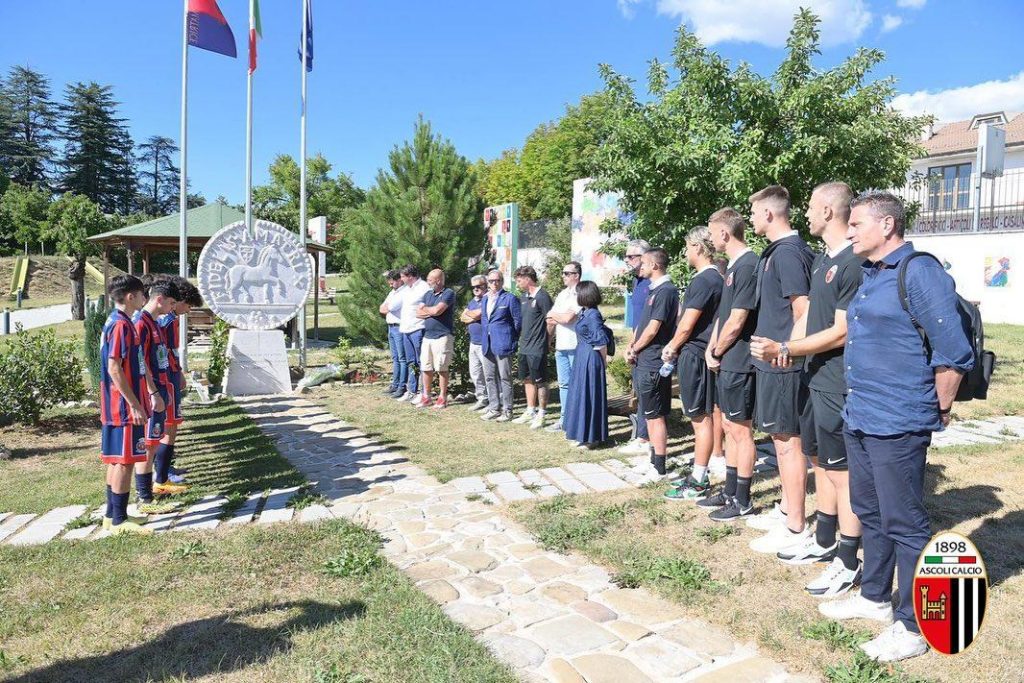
(905, 357)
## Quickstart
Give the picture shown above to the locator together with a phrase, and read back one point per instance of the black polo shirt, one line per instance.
(662, 304)
(783, 271)
(533, 340)
(834, 281)
(738, 291)
(703, 293)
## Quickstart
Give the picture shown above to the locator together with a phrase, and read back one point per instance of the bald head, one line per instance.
(829, 204)
(435, 279)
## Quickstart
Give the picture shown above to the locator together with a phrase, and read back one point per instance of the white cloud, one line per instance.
(626, 7)
(891, 22)
(767, 23)
(958, 104)
(911, 4)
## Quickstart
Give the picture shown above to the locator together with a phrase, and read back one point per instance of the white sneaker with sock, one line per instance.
(525, 417)
(636, 447)
(856, 606)
(895, 643)
(835, 580)
(538, 420)
(779, 539)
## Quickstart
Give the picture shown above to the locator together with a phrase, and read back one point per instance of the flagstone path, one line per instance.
(551, 616)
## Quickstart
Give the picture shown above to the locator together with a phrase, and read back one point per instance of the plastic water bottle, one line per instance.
(667, 368)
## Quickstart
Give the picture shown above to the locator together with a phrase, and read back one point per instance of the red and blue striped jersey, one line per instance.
(120, 342)
(169, 327)
(154, 350)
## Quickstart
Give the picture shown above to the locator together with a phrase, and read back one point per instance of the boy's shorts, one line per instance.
(156, 422)
(174, 404)
(124, 445)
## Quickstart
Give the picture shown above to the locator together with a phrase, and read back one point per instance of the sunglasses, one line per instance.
(478, 286)
(569, 272)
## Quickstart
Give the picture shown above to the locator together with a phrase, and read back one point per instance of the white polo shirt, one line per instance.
(411, 299)
(394, 304)
(565, 335)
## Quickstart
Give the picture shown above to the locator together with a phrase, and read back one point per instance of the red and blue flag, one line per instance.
(208, 29)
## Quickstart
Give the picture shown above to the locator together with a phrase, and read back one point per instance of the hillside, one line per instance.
(47, 280)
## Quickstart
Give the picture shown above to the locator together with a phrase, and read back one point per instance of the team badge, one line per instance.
(950, 591)
(650, 300)
(831, 273)
(728, 280)
(140, 446)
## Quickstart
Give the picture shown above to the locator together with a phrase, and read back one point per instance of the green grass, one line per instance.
(254, 605)
(57, 462)
(1006, 393)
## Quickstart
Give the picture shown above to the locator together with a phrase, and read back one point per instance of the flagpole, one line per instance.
(248, 131)
(183, 188)
(302, 181)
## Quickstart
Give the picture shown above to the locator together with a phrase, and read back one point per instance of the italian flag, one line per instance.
(254, 30)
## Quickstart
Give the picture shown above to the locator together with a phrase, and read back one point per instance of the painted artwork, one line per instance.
(589, 211)
(997, 271)
(502, 225)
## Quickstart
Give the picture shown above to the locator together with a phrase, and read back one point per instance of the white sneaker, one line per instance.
(857, 606)
(768, 520)
(835, 580)
(489, 415)
(895, 643)
(716, 466)
(525, 417)
(636, 447)
(808, 552)
(479, 405)
(779, 539)
(504, 417)
(407, 396)
(556, 427)
(538, 421)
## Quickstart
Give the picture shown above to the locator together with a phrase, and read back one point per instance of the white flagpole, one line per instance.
(183, 188)
(302, 182)
(248, 131)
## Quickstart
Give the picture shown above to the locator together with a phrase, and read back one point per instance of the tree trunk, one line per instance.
(76, 273)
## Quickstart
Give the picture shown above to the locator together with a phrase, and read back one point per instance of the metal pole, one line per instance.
(248, 135)
(183, 187)
(977, 182)
(302, 183)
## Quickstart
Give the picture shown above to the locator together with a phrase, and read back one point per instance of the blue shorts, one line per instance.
(155, 423)
(123, 445)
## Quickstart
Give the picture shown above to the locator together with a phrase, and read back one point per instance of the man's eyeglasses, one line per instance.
(569, 272)
(493, 281)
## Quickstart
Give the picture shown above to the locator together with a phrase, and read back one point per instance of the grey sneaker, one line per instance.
(479, 405)
(525, 417)
(504, 417)
(407, 396)
(489, 415)
(731, 511)
(556, 427)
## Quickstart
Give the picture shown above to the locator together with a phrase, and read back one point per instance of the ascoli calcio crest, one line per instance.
(258, 280)
(950, 592)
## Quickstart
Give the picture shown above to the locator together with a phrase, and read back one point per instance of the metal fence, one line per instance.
(945, 203)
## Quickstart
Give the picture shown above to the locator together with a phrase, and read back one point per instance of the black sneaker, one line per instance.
(716, 501)
(731, 511)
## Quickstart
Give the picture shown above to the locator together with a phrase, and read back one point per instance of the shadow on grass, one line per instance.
(215, 645)
(1001, 544)
(56, 424)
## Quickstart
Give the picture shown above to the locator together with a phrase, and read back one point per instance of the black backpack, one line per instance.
(975, 383)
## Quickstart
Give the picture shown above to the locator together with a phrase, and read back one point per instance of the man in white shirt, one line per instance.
(411, 326)
(562, 321)
(399, 363)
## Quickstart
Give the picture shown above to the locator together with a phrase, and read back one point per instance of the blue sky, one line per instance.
(484, 73)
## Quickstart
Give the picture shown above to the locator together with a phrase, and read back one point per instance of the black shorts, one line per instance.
(821, 427)
(777, 408)
(533, 366)
(734, 393)
(654, 393)
(696, 385)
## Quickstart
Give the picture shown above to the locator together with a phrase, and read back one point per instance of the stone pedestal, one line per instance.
(257, 363)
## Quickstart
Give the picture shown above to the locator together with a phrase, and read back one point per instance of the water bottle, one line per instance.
(667, 368)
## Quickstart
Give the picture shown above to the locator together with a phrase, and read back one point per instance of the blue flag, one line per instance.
(309, 37)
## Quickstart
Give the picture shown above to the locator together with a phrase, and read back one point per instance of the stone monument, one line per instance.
(256, 282)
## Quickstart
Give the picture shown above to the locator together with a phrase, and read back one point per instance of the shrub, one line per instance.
(218, 353)
(621, 373)
(94, 322)
(37, 371)
(359, 360)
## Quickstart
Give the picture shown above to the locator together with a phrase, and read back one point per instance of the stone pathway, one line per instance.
(30, 318)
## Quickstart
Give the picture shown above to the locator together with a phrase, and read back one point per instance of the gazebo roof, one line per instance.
(162, 233)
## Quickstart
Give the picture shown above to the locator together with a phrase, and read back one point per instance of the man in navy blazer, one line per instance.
(501, 320)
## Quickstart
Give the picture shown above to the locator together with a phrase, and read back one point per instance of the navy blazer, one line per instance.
(500, 329)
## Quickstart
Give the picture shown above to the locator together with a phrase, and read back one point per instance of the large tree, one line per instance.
(278, 200)
(98, 157)
(708, 135)
(159, 178)
(23, 215)
(72, 220)
(422, 211)
(28, 126)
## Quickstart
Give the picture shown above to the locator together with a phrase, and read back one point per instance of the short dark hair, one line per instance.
(410, 270)
(884, 204)
(122, 285)
(731, 219)
(576, 266)
(777, 194)
(659, 256)
(189, 292)
(392, 275)
(588, 294)
(526, 271)
(162, 286)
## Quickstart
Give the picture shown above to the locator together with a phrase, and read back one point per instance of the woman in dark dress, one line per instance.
(586, 412)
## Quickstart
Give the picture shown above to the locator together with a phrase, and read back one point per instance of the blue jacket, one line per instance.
(500, 329)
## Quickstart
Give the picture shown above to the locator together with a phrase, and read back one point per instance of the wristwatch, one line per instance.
(783, 352)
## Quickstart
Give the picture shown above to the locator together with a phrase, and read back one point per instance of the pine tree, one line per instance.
(98, 159)
(159, 178)
(422, 211)
(26, 137)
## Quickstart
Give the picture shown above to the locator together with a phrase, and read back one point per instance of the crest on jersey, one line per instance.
(831, 273)
(767, 262)
(140, 446)
(950, 592)
(728, 280)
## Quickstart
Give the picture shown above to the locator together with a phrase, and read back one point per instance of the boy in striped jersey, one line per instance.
(122, 412)
(164, 459)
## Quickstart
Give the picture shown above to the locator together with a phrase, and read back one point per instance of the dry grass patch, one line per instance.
(673, 548)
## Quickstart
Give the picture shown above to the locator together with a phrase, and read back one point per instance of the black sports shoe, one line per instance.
(716, 501)
(731, 511)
